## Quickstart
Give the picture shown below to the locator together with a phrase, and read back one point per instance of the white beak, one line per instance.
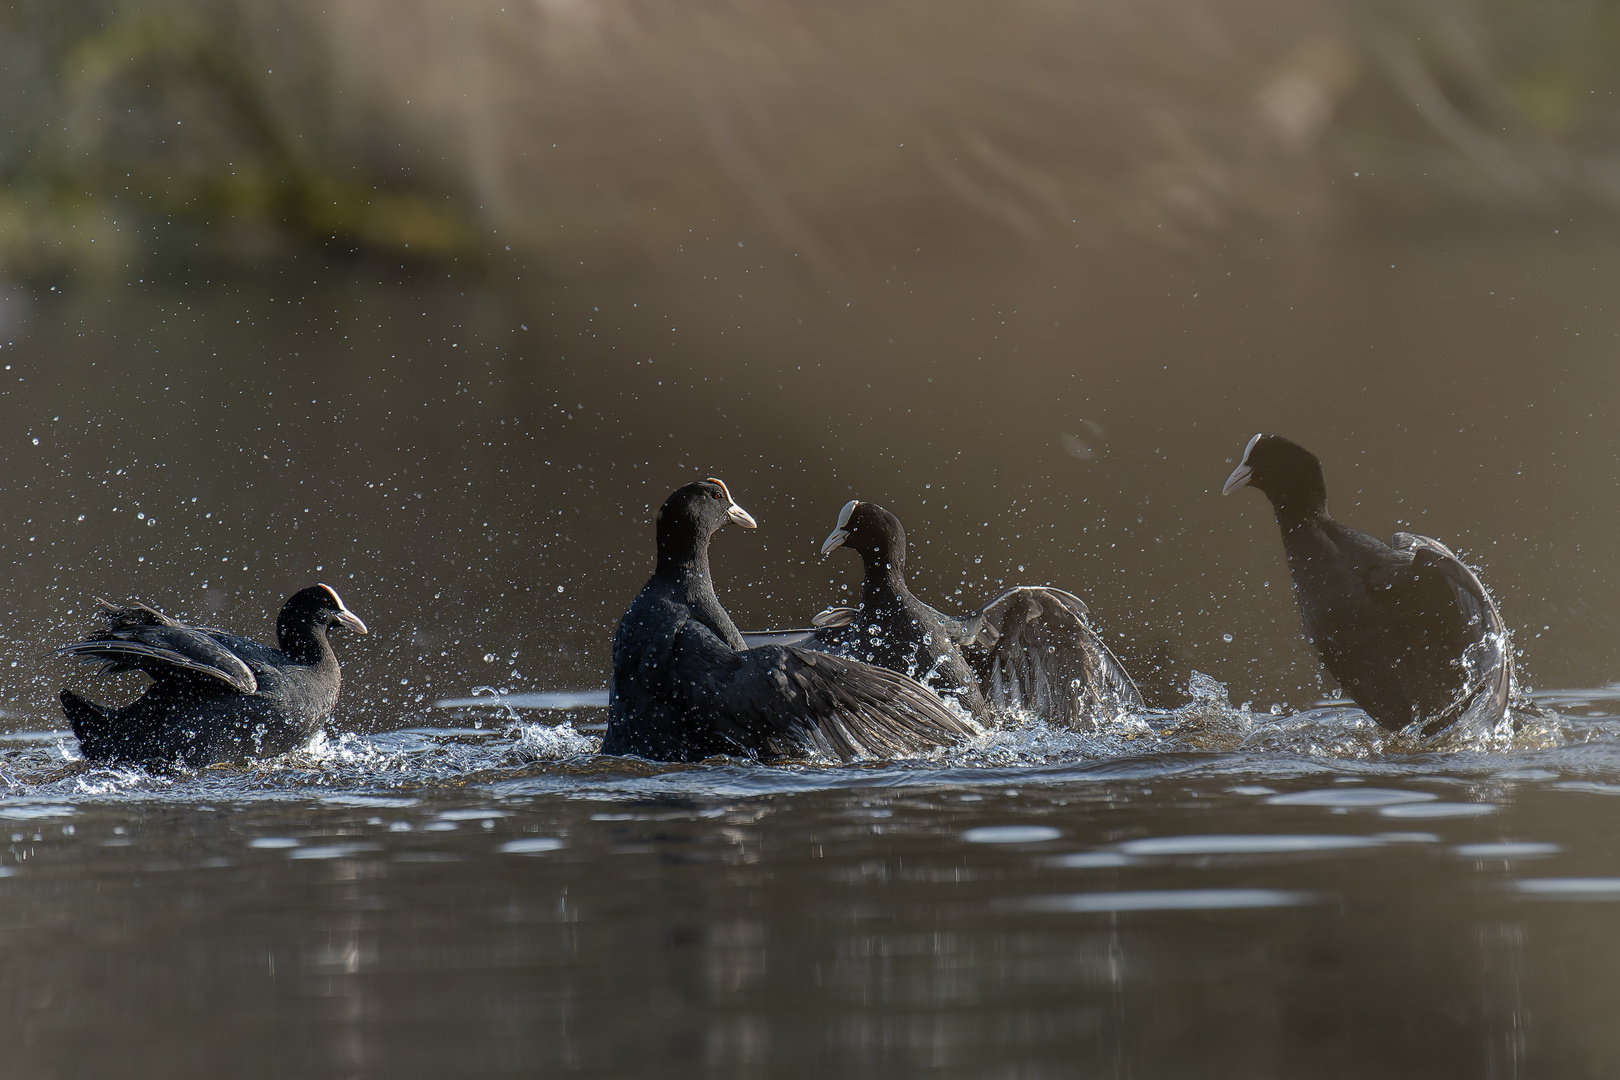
(352, 621)
(840, 534)
(347, 618)
(734, 512)
(1241, 475)
(1239, 478)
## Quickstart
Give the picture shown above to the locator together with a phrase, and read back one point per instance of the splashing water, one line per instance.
(1332, 736)
(542, 742)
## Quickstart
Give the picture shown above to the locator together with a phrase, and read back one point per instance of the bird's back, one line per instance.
(1360, 607)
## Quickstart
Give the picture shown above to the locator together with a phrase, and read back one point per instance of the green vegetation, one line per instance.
(161, 142)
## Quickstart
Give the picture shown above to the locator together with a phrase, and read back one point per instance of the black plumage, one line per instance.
(685, 688)
(214, 696)
(1031, 648)
(1408, 631)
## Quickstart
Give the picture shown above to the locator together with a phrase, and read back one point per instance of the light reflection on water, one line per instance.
(1165, 900)
(568, 911)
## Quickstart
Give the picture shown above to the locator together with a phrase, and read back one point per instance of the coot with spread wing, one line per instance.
(685, 687)
(1030, 648)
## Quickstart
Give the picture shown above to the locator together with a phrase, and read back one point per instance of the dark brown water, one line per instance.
(1114, 244)
(426, 904)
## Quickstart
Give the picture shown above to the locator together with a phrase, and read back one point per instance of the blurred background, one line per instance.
(437, 301)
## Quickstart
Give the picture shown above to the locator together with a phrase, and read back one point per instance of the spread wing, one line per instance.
(1448, 609)
(821, 634)
(1034, 649)
(782, 700)
(140, 638)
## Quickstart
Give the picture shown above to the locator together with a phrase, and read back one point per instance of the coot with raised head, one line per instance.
(685, 687)
(214, 696)
(1407, 630)
(1030, 648)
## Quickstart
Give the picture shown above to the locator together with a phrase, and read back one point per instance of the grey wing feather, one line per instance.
(1455, 608)
(133, 614)
(806, 638)
(818, 635)
(784, 700)
(140, 638)
(834, 618)
(1033, 648)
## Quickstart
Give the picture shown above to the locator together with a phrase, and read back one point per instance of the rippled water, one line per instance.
(1208, 890)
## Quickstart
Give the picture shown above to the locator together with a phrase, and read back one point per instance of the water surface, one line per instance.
(492, 899)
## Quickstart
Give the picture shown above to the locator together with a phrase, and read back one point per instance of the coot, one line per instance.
(1030, 648)
(685, 688)
(214, 696)
(1406, 629)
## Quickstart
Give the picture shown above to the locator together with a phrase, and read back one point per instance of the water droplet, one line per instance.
(489, 658)
(1227, 638)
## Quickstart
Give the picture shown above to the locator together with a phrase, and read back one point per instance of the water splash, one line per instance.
(541, 742)
(1208, 735)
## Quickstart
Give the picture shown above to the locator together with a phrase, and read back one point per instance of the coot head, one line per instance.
(316, 608)
(1288, 474)
(869, 529)
(696, 511)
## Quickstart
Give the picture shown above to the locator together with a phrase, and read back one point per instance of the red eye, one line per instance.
(715, 496)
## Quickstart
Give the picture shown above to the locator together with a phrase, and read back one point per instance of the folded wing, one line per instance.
(1034, 649)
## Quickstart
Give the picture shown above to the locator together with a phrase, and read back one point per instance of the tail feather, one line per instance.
(88, 719)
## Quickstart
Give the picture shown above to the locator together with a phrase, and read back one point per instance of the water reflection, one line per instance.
(1570, 888)
(1168, 900)
(696, 932)
(1507, 850)
(1244, 845)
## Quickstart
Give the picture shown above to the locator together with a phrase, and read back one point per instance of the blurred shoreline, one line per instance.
(174, 132)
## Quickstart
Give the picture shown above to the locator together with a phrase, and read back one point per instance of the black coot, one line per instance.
(1030, 648)
(214, 696)
(1406, 629)
(684, 688)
